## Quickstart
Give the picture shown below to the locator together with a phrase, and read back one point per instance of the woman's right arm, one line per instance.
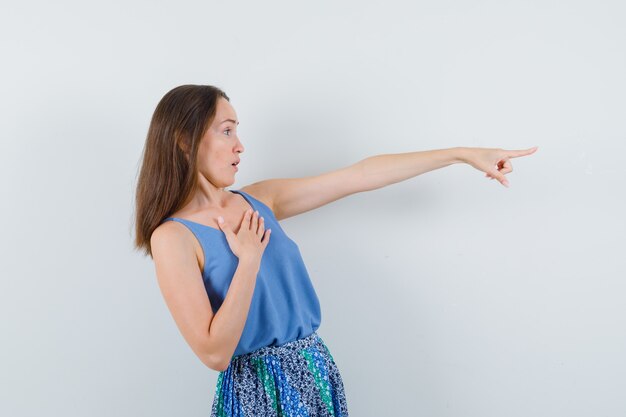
(212, 337)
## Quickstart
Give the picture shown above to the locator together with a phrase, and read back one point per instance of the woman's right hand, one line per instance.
(251, 239)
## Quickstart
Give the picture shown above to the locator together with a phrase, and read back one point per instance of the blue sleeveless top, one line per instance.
(284, 304)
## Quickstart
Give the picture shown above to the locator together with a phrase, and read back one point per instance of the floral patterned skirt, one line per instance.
(298, 378)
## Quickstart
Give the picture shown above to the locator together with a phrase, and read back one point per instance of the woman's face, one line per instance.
(220, 147)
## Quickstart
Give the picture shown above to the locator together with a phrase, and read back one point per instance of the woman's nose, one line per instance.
(240, 146)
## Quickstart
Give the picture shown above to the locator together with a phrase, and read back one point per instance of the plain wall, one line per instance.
(443, 295)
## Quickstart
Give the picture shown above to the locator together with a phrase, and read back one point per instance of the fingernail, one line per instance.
(220, 219)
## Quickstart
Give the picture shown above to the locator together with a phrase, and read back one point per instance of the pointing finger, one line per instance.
(523, 152)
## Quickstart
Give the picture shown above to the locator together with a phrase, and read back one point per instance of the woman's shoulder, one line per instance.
(260, 193)
(171, 238)
(172, 234)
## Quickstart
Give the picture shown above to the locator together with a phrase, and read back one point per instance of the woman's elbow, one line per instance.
(215, 362)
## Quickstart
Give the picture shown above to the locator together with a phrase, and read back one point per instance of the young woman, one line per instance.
(234, 282)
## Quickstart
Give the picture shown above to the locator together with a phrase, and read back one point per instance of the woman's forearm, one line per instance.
(227, 325)
(381, 170)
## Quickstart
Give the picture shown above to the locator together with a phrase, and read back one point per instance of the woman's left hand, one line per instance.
(494, 162)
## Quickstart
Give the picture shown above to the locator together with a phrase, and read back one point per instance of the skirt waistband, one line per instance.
(286, 348)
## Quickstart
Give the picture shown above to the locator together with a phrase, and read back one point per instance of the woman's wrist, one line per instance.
(461, 153)
(251, 262)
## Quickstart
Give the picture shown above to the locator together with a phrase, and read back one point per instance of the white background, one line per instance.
(444, 295)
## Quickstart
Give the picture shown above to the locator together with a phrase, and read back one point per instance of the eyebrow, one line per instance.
(228, 120)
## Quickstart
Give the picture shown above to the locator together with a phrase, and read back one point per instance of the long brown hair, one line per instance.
(168, 171)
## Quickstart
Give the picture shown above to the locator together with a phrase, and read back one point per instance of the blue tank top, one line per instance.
(284, 304)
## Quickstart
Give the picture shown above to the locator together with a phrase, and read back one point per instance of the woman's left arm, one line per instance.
(289, 197)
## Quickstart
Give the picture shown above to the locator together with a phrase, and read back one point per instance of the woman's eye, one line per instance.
(227, 130)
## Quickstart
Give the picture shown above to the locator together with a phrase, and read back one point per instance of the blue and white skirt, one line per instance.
(298, 378)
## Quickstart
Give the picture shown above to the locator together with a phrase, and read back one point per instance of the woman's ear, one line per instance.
(184, 147)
